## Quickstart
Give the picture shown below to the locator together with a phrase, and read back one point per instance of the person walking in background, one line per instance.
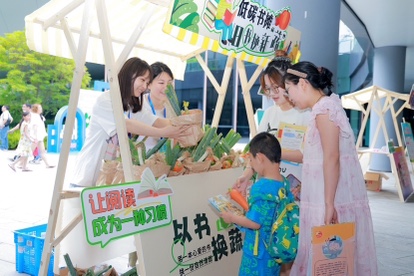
(264, 156)
(38, 132)
(24, 148)
(25, 108)
(36, 154)
(5, 121)
(333, 186)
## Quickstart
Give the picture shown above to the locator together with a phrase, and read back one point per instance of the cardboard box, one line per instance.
(373, 181)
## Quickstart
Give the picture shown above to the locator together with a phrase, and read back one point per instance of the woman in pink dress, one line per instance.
(333, 187)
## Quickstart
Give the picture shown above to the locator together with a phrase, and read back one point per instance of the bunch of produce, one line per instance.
(202, 150)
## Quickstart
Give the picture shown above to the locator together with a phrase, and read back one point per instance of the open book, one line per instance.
(222, 203)
(151, 187)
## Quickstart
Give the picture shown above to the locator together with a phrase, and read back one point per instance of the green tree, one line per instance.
(29, 76)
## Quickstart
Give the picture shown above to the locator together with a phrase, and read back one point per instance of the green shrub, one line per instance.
(14, 140)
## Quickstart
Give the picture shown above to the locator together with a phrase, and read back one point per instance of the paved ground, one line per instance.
(26, 197)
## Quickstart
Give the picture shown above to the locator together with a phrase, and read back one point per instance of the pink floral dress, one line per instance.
(351, 201)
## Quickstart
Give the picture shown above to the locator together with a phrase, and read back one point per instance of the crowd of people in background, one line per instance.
(32, 134)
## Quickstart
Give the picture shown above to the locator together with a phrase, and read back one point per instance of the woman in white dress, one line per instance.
(154, 101)
(38, 133)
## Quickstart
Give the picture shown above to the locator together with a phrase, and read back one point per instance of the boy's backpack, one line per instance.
(283, 241)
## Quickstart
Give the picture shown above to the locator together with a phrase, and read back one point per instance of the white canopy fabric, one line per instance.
(48, 29)
(357, 99)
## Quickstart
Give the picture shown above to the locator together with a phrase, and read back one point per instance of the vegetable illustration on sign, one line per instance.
(240, 26)
(283, 19)
(184, 15)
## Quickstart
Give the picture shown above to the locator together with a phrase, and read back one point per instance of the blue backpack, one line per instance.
(283, 242)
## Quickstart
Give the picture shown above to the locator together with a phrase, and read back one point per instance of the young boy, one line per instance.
(265, 153)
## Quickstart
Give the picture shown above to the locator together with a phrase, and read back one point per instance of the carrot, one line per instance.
(239, 199)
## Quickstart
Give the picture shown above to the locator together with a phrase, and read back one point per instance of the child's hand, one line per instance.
(242, 183)
(227, 216)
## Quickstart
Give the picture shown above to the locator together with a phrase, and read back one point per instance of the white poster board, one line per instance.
(208, 247)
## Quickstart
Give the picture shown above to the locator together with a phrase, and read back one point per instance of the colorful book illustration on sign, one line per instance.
(151, 187)
(333, 249)
(222, 203)
(229, 17)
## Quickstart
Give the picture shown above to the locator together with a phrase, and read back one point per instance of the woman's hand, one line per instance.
(331, 217)
(177, 131)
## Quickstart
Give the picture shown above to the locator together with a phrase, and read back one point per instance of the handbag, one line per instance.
(7, 122)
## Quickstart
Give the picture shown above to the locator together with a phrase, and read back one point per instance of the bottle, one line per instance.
(391, 148)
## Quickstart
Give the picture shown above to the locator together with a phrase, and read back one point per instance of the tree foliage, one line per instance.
(28, 76)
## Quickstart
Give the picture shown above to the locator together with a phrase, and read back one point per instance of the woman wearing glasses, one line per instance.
(272, 86)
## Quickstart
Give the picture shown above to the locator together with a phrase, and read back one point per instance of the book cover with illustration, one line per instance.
(291, 137)
(222, 203)
(333, 249)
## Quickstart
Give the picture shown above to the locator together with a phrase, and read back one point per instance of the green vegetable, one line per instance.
(172, 153)
(141, 150)
(156, 148)
(134, 152)
(172, 98)
(204, 143)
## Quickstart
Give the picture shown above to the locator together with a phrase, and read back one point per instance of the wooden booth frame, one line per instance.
(381, 101)
(78, 42)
